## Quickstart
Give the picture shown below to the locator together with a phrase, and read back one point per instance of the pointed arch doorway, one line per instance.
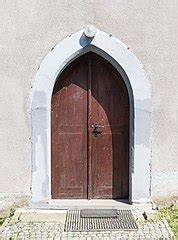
(90, 131)
(129, 67)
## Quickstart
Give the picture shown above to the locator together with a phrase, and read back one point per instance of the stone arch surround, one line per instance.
(121, 57)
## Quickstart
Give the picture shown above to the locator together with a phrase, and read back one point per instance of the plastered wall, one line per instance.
(29, 29)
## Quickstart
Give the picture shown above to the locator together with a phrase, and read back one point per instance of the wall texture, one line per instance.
(29, 29)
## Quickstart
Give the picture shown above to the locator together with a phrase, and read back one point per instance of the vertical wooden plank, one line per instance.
(89, 129)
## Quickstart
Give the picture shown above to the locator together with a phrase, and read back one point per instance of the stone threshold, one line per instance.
(70, 204)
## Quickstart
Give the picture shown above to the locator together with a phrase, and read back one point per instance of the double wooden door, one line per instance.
(90, 131)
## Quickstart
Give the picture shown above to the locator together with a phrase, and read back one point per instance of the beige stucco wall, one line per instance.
(29, 29)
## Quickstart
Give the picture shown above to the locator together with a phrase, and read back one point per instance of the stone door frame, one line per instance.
(121, 57)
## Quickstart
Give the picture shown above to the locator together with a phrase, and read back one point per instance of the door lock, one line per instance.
(96, 129)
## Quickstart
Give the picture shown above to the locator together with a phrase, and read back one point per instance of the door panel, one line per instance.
(109, 151)
(69, 133)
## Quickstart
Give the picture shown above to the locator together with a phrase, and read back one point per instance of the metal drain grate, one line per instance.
(124, 221)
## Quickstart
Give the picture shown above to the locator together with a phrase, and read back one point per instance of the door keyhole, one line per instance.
(96, 129)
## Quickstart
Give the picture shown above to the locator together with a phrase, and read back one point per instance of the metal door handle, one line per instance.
(96, 125)
(96, 131)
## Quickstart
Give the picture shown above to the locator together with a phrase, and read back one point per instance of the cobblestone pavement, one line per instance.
(55, 230)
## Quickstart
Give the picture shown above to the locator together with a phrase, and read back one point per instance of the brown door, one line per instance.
(90, 131)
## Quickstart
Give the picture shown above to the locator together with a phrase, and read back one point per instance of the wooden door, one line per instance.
(109, 150)
(90, 131)
(69, 132)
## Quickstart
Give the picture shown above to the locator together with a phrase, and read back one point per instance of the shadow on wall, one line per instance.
(84, 41)
(40, 120)
(143, 136)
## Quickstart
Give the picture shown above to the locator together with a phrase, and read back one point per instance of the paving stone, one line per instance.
(54, 230)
